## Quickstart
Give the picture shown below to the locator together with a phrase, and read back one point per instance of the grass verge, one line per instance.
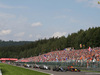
(13, 70)
(90, 71)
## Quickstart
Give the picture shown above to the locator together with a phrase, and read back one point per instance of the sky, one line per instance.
(30, 20)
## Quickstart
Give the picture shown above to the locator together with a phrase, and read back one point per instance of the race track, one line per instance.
(65, 73)
(51, 72)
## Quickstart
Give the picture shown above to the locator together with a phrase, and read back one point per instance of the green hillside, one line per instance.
(89, 37)
(13, 43)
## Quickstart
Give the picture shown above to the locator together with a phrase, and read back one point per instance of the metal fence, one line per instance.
(72, 63)
(93, 66)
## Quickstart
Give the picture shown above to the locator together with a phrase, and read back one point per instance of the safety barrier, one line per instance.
(0, 72)
(83, 65)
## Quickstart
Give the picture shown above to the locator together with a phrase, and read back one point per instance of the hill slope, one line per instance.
(90, 37)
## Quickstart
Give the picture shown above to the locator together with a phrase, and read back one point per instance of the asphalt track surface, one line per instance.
(51, 72)
(65, 73)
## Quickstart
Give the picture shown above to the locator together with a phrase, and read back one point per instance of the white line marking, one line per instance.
(43, 72)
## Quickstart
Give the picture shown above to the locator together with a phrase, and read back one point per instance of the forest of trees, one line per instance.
(89, 37)
(13, 43)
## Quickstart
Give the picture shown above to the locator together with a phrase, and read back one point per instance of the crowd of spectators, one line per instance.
(64, 56)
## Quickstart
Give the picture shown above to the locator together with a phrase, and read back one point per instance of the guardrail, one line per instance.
(83, 65)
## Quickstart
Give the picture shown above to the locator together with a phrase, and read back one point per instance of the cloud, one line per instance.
(59, 34)
(10, 7)
(5, 32)
(6, 15)
(68, 10)
(81, 0)
(30, 36)
(72, 20)
(4, 6)
(6, 20)
(38, 36)
(60, 17)
(19, 34)
(37, 24)
(93, 3)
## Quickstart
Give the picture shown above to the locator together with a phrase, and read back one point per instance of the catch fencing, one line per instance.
(71, 63)
(83, 65)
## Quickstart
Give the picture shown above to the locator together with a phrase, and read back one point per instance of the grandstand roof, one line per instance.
(9, 59)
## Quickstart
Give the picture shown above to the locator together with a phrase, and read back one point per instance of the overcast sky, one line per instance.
(30, 20)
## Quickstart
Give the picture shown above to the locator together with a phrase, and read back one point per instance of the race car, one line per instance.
(18, 64)
(45, 67)
(59, 68)
(27, 65)
(73, 69)
(36, 66)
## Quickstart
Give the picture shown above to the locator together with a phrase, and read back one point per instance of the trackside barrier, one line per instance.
(0, 72)
(82, 65)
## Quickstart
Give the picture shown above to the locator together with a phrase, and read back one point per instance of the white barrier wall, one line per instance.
(0, 72)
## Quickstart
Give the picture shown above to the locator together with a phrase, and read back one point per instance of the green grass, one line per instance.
(90, 71)
(14, 70)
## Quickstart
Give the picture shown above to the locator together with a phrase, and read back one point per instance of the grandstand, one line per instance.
(64, 55)
(8, 60)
